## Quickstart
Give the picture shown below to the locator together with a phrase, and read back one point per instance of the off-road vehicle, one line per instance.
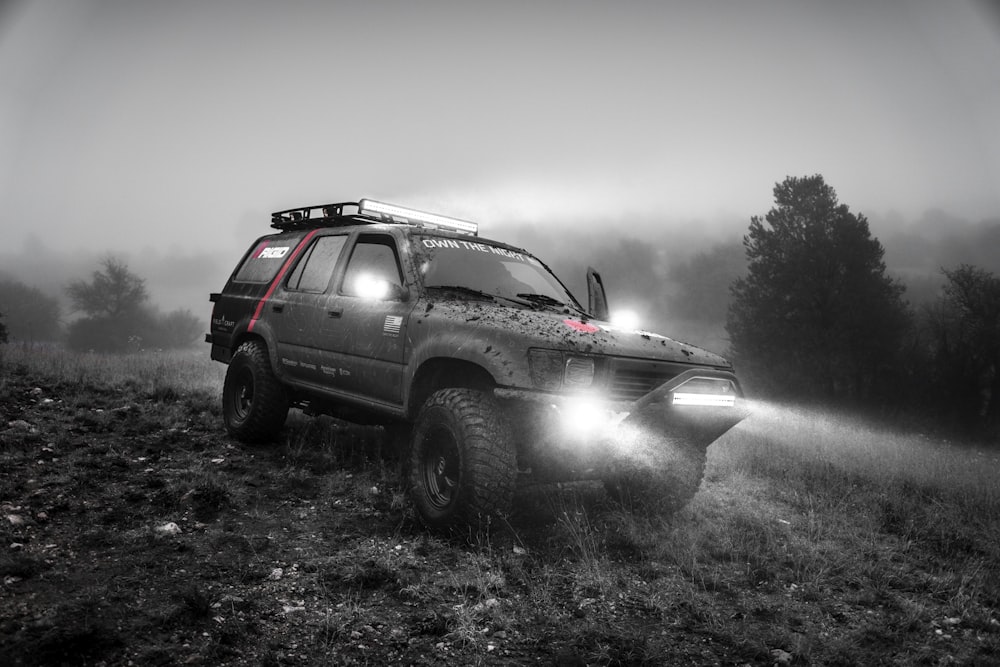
(479, 360)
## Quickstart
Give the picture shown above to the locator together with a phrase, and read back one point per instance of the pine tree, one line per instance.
(816, 314)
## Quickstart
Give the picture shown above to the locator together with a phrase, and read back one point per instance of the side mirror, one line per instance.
(597, 299)
(394, 292)
(368, 286)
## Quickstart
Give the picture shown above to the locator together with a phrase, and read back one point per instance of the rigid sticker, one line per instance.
(273, 252)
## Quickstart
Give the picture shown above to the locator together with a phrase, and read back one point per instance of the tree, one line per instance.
(113, 292)
(32, 314)
(113, 301)
(118, 318)
(3, 331)
(967, 343)
(816, 314)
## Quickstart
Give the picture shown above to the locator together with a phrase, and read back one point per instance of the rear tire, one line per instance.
(254, 402)
(462, 463)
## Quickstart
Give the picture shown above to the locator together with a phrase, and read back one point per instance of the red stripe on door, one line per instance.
(277, 278)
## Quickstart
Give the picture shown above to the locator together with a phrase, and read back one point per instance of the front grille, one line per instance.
(632, 379)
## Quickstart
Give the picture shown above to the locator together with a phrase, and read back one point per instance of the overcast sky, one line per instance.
(180, 125)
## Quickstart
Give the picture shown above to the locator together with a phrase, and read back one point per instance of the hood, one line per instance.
(566, 330)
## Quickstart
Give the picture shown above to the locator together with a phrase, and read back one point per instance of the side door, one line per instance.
(298, 310)
(368, 318)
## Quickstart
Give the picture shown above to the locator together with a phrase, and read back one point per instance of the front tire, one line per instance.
(254, 402)
(462, 463)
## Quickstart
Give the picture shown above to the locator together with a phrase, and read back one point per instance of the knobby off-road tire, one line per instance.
(662, 474)
(254, 402)
(462, 463)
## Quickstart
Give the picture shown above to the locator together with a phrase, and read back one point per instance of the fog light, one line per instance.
(587, 418)
(581, 417)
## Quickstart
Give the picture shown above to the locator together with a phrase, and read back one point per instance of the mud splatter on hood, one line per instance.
(567, 330)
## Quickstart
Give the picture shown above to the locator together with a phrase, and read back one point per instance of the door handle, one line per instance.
(277, 307)
(336, 312)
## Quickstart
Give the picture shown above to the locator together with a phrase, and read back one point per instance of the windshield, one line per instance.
(491, 270)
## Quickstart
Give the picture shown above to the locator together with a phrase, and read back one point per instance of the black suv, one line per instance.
(471, 352)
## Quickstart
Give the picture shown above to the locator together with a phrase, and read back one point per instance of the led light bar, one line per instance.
(707, 391)
(714, 400)
(411, 215)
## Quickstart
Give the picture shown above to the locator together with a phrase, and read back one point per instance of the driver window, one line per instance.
(373, 267)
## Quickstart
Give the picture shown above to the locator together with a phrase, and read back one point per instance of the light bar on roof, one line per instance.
(411, 215)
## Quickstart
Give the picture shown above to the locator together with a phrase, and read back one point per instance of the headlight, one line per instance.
(552, 370)
(579, 372)
(546, 368)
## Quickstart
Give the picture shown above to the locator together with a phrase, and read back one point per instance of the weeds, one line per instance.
(813, 540)
(586, 542)
(165, 374)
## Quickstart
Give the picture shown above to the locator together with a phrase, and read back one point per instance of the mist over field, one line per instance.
(638, 139)
(674, 276)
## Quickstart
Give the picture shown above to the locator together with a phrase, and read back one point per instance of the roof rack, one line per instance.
(367, 211)
(321, 215)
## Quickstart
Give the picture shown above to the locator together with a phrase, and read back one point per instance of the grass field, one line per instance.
(133, 529)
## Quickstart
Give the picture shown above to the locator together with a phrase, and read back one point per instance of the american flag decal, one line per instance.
(393, 323)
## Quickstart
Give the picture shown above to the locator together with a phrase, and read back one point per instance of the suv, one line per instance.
(479, 362)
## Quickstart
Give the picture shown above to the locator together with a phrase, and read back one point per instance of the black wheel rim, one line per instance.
(440, 468)
(242, 394)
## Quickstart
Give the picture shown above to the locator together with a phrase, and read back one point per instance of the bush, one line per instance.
(103, 334)
(32, 315)
(142, 330)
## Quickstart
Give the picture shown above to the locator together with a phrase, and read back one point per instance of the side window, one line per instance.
(373, 267)
(262, 264)
(313, 272)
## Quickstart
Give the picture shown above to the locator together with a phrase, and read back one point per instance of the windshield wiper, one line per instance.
(546, 300)
(464, 290)
(471, 291)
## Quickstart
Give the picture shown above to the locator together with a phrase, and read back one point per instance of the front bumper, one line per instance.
(579, 437)
(679, 411)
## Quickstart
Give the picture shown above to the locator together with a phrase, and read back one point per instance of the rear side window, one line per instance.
(261, 265)
(314, 270)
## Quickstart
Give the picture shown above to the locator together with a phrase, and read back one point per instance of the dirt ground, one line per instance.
(133, 531)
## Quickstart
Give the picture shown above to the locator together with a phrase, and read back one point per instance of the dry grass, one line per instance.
(802, 442)
(815, 539)
(171, 372)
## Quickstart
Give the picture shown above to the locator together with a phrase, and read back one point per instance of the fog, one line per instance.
(636, 138)
(675, 282)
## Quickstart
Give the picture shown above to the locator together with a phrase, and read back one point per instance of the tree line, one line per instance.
(814, 316)
(110, 312)
(817, 317)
